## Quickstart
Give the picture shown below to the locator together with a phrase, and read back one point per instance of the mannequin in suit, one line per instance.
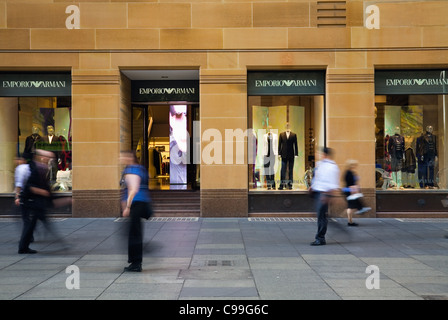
(426, 157)
(396, 150)
(270, 149)
(51, 142)
(287, 150)
(429, 156)
(30, 142)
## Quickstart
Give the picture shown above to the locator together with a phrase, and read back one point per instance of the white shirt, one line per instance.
(21, 175)
(326, 176)
(274, 144)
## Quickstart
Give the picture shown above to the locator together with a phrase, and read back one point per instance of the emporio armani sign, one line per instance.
(34, 84)
(441, 81)
(167, 90)
(431, 81)
(164, 90)
(23, 84)
(287, 83)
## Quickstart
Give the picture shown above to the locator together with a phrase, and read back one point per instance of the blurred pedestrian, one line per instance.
(352, 191)
(36, 197)
(324, 185)
(21, 175)
(136, 204)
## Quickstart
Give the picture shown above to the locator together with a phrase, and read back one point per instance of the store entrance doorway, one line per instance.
(162, 138)
(164, 107)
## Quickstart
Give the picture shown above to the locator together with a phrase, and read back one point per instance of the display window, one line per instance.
(410, 135)
(410, 129)
(286, 132)
(31, 123)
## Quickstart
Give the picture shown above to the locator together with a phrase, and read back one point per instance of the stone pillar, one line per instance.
(96, 142)
(223, 107)
(350, 123)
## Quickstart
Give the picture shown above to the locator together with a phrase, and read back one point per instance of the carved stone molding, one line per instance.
(350, 78)
(95, 79)
(223, 79)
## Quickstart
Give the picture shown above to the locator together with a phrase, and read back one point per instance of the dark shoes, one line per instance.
(27, 250)
(318, 243)
(133, 267)
(353, 224)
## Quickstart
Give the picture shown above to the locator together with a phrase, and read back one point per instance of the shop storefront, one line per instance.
(35, 114)
(320, 73)
(286, 113)
(410, 130)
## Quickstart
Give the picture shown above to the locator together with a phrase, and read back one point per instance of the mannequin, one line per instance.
(252, 145)
(427, 157)
(287, 151)
(430, 154)
(51, 143)
(422, 168)
(396, 151)
(409, 162)
(63, 152)
(30, 142)
(270, 151)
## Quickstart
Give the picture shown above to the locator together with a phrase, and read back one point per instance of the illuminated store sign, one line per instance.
(411, 82)
(35, 85)
(286, 83)
(165, 90)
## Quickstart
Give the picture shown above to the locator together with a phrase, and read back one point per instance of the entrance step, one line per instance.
(176, 203)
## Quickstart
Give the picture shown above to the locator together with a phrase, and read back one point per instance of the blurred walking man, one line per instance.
(36, 197)
(324, 185)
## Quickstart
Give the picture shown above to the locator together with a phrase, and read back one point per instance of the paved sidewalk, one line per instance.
(230, 258)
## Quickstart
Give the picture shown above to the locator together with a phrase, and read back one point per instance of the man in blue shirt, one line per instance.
(324, 184)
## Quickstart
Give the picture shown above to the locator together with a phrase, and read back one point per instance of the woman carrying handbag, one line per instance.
(136, 204)
(352, 191)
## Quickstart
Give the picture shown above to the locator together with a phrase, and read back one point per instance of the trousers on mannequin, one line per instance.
(269, 160)
(287, 167)
(426, 172)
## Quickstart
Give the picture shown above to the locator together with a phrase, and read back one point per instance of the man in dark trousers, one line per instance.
(287, 150)
(325, 184)
(36, 197)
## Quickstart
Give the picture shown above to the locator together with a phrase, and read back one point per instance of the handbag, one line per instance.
(355, 196)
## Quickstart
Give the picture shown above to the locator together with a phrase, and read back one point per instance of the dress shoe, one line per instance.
(318, 243)
(27, 250)
(134, 267)
(352, 224)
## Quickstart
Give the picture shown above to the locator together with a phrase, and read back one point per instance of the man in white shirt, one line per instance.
(324, 184)
(21, 175)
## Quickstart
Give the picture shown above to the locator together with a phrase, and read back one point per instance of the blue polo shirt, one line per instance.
(143, 192)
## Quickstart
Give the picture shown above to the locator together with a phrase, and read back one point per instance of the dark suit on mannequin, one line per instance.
(51, 143)
(287, 150)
